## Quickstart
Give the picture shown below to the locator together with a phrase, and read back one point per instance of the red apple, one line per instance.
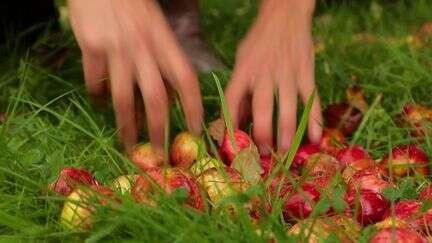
(332, 141)
(410, 212)
(242, 140)
(405, 160)
(185, 149)
(356, 166)
(282, 184)
(426, 193)
(146, 157)
(399, 235)
(71, 178)
(418, 118)
(321, 164)
(350, 154)
(368, 179)
(369, 206)
(168, 180)
(303, 153)
(267, 164)
(299, 204)
(343, 116)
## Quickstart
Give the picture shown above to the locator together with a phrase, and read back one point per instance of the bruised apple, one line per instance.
(318, 230)
(332, 141)
(185, 149)
(227, 151)
(166, 180)
(146, 157)
(399, 235)
(368, 205)
(70, 178)
(204, 164)
(300, 203)
(350, 154)
(321, 164)
(357, 166)
(343, 116)
(405, 160)
(368, 179)
(123, 183)
(303, 153)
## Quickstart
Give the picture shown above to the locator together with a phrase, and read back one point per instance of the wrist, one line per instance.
(300, 9)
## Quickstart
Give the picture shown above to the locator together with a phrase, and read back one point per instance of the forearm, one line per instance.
(301, 10)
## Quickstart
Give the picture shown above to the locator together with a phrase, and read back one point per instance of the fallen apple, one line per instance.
(426, 193)
(399, 235)
(332, 141)
(303, 153)
(204, 164)
(356, 166)
(146, 157)
(167, 180)
(350, 154)
(300, 203)
(405, 160)
(343, 116)
(410, 212)
(123, 183)
(390, 222)
(70, 178)
(321, 164)
(368, 179)
(227, 151)
(267, 165)
(368, 206)
(185, 149)
(418, 118)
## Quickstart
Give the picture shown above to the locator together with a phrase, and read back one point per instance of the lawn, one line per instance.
(51, 123)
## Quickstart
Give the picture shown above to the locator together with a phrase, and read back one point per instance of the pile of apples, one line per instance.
(208, 179)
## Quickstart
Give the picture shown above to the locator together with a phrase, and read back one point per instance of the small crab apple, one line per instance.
(399, 235)
(185, 149)
(316, 230)
(321, 164)
(303, 153)
(405, 160)
(242, 141)
(146, 157)
(426, 193)
(299, 204)
(368, 179)
(167, 180)
(350, 154)
(332, 141)
(223, 183)
(204, 164)
(356, 166)
(343, 116)
(123, 183)
(370, 206)
(71, 178)
(418, 118)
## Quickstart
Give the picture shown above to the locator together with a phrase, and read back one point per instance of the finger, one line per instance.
(235, 94)
(95, 74)
(306, 86)
(287, 112)
(154, 96)
(262, 113)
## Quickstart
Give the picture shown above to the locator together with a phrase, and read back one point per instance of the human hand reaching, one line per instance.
(131, 41)
(276, 56)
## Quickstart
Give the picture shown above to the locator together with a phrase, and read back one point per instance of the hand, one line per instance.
(131, 40)
(276, 55)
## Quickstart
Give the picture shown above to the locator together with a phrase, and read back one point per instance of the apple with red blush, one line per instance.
(367, 205)
(343, 116)
(347, 155)
(405, 160)
(70, 178)
(228, 153)
(399, 235)
(145, 156)
(332, 141)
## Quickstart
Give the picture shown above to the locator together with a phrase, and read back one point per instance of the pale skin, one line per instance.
(131, 42)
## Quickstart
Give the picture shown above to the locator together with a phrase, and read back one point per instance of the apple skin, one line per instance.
(70, 178)
(167, 180)
(227, 152)
(332, 141)
(399, 235)
(321, 164)
(123, 183)
(146, 157)
(371, 206)
(405, 160)
(303, 153)
(418, 118)
(426, 193)
(298, 204)
(343, 116)
(184, 150)
(316, 230)
(204, 164)
(368, 179)
(350, 154)
(356, 166)
(267, 165)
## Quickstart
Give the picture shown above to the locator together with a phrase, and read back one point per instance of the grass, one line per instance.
(51, 123)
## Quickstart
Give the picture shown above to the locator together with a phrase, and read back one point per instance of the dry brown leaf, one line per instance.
(217, 130)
